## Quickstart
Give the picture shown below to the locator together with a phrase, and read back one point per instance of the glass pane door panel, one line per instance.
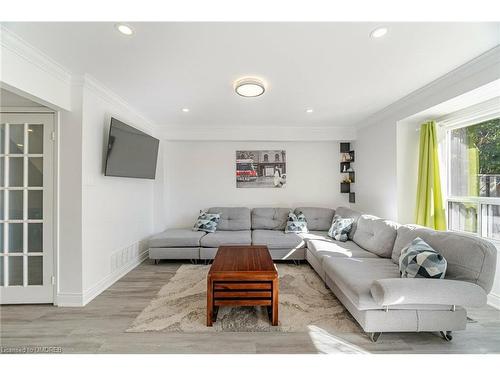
(1, 237)
(16, 205)
(2, 173)
(35, 139)
(2, 194)
(35, 172)
(15, 238)
(15, 270)
(16, 171)
(462, 217)
(1, 270)
(16, 136)
(2, 138)
(35, 270)
(492, 221)
(35, 237)
(35, 204)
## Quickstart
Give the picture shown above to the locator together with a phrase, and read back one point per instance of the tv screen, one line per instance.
(131, 153)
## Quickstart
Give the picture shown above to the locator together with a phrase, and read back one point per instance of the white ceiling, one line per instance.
(335, 68)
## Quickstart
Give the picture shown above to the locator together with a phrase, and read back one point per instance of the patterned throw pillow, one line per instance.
(418, 259)
(340, 228)
(296, 223)
(206, 222)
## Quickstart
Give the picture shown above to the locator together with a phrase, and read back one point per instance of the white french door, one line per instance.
(26, 208)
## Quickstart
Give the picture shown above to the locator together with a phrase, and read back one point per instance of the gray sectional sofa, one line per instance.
(363, 272)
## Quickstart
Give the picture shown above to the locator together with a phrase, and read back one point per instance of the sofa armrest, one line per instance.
(421, 291)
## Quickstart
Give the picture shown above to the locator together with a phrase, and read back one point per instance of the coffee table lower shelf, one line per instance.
(242, 293)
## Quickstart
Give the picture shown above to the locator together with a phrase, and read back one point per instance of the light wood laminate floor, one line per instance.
(100, 327)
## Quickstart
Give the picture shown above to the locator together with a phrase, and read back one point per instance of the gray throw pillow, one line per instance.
(296, 223)
(340, 228)
(206, 222)
(418, 259)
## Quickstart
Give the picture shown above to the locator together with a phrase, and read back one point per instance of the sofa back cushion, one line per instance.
(469, 258)
(318, 218)
(376, 235)
(347, 213)
(269, 218)
(232, 218)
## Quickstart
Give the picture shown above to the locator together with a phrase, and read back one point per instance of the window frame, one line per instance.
(461, 119)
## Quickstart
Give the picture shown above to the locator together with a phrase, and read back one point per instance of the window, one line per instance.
(276, 157)
(266, 158)
(474, 178)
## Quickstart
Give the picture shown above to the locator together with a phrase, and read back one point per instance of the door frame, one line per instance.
(55, 184)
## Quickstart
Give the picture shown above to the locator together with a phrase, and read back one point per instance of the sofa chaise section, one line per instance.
(175, 244)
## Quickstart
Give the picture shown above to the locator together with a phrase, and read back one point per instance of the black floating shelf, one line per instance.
(345, 146)
(352, 197)
(345, 187)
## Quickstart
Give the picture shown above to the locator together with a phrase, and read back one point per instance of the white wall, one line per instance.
(28, 72)
(377, 186)
(202, 174)
(117, 212)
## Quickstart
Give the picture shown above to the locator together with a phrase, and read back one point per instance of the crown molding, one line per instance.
(90, 83)
(487, 60)
(258, 133)
(16, 45)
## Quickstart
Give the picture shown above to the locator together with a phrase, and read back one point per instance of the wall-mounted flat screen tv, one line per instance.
(131, 153)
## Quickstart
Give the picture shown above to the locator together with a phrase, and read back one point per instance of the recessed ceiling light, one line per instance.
(309, 110)
(124, 29)
(185, 110)
(379, 32)
(249, 87)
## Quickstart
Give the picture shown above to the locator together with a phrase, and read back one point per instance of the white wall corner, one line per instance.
(99, 287)
(69, 300)
(89, 82)
(435, 91)
(31, 73)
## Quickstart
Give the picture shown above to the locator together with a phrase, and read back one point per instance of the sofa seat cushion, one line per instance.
(355, 276)
(276, 239)
(315, 235)
(318, 218)
(376, 235)
(176, 238)
(232, 218)
(330, 248)
(227, 237)
(269, 218)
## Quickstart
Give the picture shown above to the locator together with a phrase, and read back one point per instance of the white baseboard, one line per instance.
(81, 299)
(494, 300)
(69, 300)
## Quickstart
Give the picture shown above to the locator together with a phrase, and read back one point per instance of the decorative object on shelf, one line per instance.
(346, 158)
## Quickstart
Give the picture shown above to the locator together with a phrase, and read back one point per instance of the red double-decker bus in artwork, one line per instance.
(245, 170)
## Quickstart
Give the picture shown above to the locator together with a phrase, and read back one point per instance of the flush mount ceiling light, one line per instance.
(379, 32)
(185, 110)
(124, 29)
(249, 87)
(309, 110)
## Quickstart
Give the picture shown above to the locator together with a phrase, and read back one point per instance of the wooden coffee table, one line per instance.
(242, 276)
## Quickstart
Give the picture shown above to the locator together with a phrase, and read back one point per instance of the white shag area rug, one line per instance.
(304, 302)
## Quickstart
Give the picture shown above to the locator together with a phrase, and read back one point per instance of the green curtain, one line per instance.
(429, 208)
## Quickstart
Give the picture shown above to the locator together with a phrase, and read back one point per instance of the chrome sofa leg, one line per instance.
(446, 335)
(374, 336)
